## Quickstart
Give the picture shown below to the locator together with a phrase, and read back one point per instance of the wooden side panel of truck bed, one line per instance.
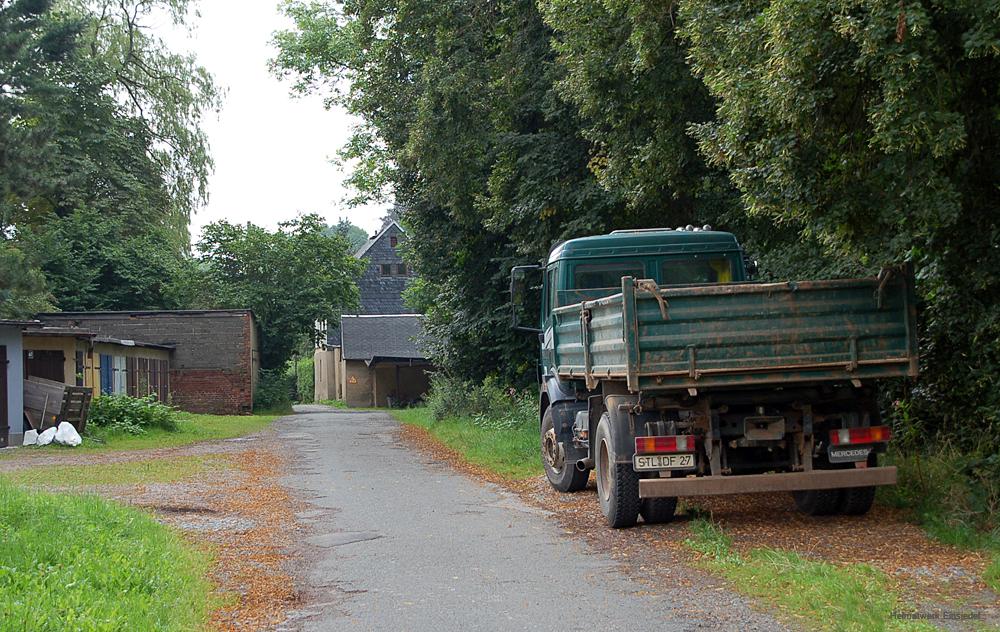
(746, 334)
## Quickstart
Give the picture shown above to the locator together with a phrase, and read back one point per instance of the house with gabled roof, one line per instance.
(373, 358)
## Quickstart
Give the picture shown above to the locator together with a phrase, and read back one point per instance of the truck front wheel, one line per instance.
(562, 474)
(617, 483)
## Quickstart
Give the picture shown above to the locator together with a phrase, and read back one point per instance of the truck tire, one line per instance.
(818, 502)
(617, 483)
(856, 501)
(561, 473)
(657, 510)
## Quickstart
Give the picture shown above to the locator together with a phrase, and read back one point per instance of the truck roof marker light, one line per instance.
(671, 443)
(854, 436)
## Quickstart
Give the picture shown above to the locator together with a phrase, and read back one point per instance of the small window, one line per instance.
(593, 276)
(386, 269)
(393, 240)
(401, 269)
(696, 270)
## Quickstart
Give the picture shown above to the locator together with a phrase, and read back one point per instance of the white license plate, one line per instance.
(663, 462)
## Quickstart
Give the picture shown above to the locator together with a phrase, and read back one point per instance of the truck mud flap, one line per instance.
(759, 483)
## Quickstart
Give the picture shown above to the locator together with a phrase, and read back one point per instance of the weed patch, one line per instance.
(82, 563)
(512, 451)
(830, 597)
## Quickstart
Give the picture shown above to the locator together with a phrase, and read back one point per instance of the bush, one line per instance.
(303, 379)
(490, 404)
(131, 415)
(275, 389)
(954, 494)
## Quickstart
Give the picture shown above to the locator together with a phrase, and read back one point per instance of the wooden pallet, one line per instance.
(48, 403)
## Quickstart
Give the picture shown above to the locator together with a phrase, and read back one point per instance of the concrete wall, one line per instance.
(10, 337)
(216, 357)
(326, 375)
(357, 384)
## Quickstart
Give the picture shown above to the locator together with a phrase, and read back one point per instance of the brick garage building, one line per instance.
(215, 358)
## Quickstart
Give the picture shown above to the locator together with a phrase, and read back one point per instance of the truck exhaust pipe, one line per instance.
(584, 465)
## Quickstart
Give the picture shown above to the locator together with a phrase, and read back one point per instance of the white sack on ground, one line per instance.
(66, 434)
(46, 437)
(30, 438)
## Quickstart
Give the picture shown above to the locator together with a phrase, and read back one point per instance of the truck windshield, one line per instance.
(695, 270)
(594, 276)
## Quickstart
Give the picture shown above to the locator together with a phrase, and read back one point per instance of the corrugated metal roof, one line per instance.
(382, 336)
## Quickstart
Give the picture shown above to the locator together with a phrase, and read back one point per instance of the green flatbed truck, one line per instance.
(666, 369)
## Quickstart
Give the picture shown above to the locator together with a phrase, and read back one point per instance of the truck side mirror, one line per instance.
(520, 284)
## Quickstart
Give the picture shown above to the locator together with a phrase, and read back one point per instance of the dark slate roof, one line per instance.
(382, 294)
(382, 336)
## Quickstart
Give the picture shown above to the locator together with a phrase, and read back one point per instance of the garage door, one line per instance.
(49, 365)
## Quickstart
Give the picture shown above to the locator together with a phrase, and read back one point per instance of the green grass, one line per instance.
(952, 499)
(125, 473)
(82, 563)
(191, 429)
(854, 597)
(511, 453)
(334, 403)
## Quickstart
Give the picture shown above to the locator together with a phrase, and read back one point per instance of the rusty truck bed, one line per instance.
(740, 334)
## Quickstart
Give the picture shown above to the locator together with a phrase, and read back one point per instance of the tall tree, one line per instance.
(290, 278)
(110, 155)
(873, 125)
(461, 122)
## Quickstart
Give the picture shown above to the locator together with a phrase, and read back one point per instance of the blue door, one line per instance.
(107, 375)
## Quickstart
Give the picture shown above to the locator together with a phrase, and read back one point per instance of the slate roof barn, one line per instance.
(374, 358)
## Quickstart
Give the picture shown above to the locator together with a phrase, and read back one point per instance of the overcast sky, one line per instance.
(272, 152)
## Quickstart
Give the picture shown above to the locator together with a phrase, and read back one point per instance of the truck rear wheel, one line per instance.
(617, 483)
(657, 510)
(562, 474)
(856, 501)
(818, 502)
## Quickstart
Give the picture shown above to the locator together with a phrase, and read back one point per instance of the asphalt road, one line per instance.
(398, 542)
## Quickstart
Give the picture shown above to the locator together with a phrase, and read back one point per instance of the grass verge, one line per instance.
(123, 473)
(509, 452)
(81, 563)
(334, 403)
(191, 428)
(954, 497)
(829, 597)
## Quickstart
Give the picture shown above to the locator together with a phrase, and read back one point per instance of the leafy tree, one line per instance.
(103, 157)
(355, 235)
(290, 278)
(22, 287)
(874, 127)
(462, 123)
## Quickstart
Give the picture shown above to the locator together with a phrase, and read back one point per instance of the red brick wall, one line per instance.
(211, 391)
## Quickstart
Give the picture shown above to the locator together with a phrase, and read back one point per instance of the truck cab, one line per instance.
(666, 369)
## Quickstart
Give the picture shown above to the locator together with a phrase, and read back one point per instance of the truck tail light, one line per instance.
(850, 436)
(672, 443)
